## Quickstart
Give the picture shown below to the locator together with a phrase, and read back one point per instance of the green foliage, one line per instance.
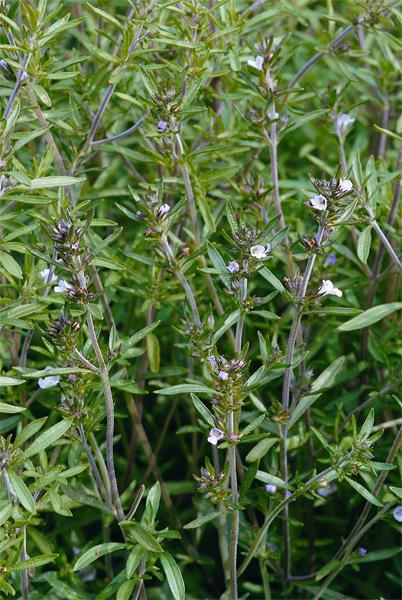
(200, 311)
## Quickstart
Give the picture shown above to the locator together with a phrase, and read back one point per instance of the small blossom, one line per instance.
(223, 376)
(215, 436)
(62, 287)
(330, 260)
(259, 251)
(47, 382)
(361, 551)
(328, 289)
(162, 126)
(45, 274)
(256, 63)
(212, 361)
(233, 266)
(397, 513)
(327, 489)
(163, 210)
(342, 124)
(318, 202)
(345, 185)
(270, 488)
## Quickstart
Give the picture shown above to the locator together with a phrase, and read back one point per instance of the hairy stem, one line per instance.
(233, 420)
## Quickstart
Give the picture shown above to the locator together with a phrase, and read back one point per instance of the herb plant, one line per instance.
(199, 269)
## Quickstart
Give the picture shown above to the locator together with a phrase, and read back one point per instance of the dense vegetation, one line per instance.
(199, 268)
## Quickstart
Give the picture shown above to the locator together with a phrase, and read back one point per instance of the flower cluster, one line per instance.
(213, 485)
(152, 210)
(64, 332)
(331, 195)
(68, 240)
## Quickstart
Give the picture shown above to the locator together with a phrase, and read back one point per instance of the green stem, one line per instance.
(275, 512)
(349, 549)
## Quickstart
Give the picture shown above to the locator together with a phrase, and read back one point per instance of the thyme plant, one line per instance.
(199, 269)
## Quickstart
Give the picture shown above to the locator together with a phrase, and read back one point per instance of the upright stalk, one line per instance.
(286, 391)
(109, 404)
(273, 150)
(233, 420)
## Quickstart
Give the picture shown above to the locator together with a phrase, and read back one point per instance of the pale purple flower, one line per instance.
(47, 382)
(212, 361)
(223, 375)
(270, 488)
(256, 63)
(233, 266)
(62, 287)
(342, 124)
(328, 289)
(162, 126)
(318, 202)
(361, 551)
(330, 260)
(397, 513)
(215, 436)
(327, 489)
(45, 274)
(345, 185)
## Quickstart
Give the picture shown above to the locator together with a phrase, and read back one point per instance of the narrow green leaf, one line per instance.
(186, 388)
(203, 410)
(261, 449)
(125, 590)
(96, 552)
(370, 316)
(268, 478)
(10, 264)
(10, 409)
(36, 561)
(134, 559)
(363, 492)
(173, 576)
(40, 183)
(270, 277)
(5, 513)
(22, 492)
(328, 568)
(6, 381)
(202, 520)
(363, 244)
(142, 536)
(138, 336)
(47, 438)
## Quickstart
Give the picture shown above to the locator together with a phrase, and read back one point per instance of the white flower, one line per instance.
(260, 251)
(45, 274)
(62, 287)
(256, 62)
(342, 124)
(47, 382)
(163, 210)
(328, 289)
(215, 436)
(397, 513)
(318, 202)
(233, 266)
(345, 185)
